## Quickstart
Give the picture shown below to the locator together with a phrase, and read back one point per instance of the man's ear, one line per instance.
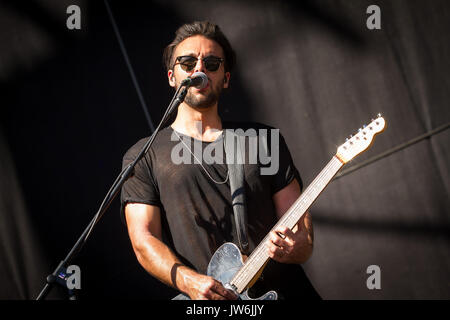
(226, 80)
(171, 77)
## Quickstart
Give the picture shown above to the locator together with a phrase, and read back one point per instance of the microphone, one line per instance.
(198, 80)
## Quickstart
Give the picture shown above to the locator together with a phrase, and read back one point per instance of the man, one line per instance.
(178, 214)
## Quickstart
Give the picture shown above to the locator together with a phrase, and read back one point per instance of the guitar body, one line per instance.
(225, 263)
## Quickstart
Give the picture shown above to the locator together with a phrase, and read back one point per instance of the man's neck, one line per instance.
(201, 124)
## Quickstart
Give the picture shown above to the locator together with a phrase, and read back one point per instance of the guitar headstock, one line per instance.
(361, 140)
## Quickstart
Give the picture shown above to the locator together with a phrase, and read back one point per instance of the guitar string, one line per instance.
(244, 275)
(333, 165)
(287, 219)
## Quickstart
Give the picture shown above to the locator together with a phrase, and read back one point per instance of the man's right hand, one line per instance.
(201, 287)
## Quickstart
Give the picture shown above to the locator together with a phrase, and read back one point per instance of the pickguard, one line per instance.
(225, 263)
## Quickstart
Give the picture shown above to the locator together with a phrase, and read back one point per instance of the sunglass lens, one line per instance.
(187, 66)
(187, 63)
(212, 64)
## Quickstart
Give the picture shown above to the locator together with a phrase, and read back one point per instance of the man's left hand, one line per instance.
(291, 246)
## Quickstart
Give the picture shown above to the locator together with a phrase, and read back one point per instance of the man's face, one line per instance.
(200, 47)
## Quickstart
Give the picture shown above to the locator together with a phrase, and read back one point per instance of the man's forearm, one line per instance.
(162, 263)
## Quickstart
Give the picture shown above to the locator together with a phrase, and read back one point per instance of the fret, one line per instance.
(259, 256)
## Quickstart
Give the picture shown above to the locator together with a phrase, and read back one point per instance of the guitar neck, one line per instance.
(259, 256)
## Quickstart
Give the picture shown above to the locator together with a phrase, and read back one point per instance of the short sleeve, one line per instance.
(141, 187)
(286, 170)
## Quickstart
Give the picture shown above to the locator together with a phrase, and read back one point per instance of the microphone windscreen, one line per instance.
(199, 79)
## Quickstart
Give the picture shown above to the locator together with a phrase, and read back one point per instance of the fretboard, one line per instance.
(259, 256)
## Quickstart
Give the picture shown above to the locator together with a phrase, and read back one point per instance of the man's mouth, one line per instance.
(204, 89)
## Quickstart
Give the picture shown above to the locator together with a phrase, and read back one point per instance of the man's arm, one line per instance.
(144, 229)
(291, 246)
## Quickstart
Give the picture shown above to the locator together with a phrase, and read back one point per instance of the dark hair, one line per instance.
(206, 29)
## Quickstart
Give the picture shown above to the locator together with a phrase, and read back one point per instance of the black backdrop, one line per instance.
(70, 111)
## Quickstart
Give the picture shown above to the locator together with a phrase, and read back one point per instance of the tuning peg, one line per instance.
(379, 115)
(364, 126)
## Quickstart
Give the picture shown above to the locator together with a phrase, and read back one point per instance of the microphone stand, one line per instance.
(59, 276)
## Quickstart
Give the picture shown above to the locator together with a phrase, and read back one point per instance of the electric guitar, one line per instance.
(227, 265)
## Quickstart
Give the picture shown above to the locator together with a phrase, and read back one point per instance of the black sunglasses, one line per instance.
(188, 63)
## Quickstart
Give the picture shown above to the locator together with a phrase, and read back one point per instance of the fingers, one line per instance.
(283, 237)
(218, 292)
(281, 243)
(225, 293)
(211, 289)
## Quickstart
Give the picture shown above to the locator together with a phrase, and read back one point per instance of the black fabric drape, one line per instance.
(21, 256)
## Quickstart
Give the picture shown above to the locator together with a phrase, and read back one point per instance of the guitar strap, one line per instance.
(235, 163)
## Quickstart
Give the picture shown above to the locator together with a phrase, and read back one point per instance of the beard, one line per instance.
(201, 101)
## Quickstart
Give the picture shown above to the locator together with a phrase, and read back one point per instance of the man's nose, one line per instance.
(200, 66)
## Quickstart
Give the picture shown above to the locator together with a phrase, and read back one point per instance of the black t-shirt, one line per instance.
(197, 216)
